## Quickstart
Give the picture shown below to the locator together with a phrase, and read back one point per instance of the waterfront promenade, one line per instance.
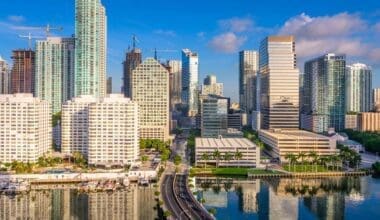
(62, 177)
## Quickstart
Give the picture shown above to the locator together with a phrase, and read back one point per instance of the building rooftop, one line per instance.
(292, 134)
(224, 142)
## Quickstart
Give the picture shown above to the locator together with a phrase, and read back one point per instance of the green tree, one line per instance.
(302, 157)
(205, 157)
(177, 159)
(227, 157)
(216, 156)
(238, 156)
(313, 157)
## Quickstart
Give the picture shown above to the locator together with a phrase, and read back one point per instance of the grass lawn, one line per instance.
(230, 171)
(308, 168)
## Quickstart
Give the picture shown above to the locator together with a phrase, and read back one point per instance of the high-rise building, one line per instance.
(211, 87)
(214, 120)
(133, 58)
(358, 88)
(376, 99)
(25, 131)
(55, 70)
(87, 123)
(113, 131)
(90, 48)
(74, 125)
(279, 83)
(190, 69)
(109, 85)
(175, 82)
(150, 89)
(248, 70)
(324, 90)
(22, 75)
(5, 77)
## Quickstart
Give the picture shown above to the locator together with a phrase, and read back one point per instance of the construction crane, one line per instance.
(46, 28)
(30, 37)
(162, 51)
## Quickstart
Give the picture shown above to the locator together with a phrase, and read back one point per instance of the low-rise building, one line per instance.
(229, 149)
(283, 142)
(25, 128)
(369, 121)
(351, 121)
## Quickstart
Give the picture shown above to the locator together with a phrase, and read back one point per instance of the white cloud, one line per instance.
(16, 18)
(169, 33)
(227, 42)
(236, 24)
(201, 34)
(341, 33)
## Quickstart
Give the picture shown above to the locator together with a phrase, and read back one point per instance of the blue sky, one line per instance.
(217, 30)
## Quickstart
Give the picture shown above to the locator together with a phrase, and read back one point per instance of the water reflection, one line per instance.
(136, 203)
(324, 198)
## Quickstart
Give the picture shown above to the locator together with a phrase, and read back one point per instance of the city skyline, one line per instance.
(237, 29)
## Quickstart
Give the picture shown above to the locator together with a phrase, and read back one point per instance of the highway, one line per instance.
(187, 200)
(170, 201)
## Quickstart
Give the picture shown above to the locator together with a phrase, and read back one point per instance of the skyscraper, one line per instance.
(5, 76)
(175, 82)
(109, 85)
(55, 70)
(90, 48)
(211, 87)
(279, 83)
(190, 71)
(133, 58)
(22, 75)
(358, 88)
(150, 89)
(248, 70)
(324, 90)
(214, 112)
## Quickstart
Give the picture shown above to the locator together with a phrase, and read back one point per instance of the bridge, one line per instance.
(179, 200)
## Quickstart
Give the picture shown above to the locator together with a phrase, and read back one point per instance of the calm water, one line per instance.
(337, 198)
(137, 203)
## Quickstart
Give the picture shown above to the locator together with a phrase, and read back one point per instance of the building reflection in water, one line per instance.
(68, 204)
(278, 198)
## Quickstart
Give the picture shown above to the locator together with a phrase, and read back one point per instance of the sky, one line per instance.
(217, 30)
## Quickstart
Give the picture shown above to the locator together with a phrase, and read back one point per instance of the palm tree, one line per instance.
(302, 156)
(227, 156)
(216, 156)
(290, 158)
(314, 158)
(205, 157)
(238, 156)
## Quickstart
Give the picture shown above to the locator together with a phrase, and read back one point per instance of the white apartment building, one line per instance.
(150, 90)
(74, 125)
(113, 131)
(25, 131)
(211, 87)
(250, 153)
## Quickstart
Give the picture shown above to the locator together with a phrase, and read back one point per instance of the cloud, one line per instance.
(169, 33)
(201, 34)
(341, 33)
(236, 24)
(227, 42)
(15, 18)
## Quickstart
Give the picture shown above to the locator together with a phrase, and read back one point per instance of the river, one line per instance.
(232, 198)
(325, 198)
(135, 203)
